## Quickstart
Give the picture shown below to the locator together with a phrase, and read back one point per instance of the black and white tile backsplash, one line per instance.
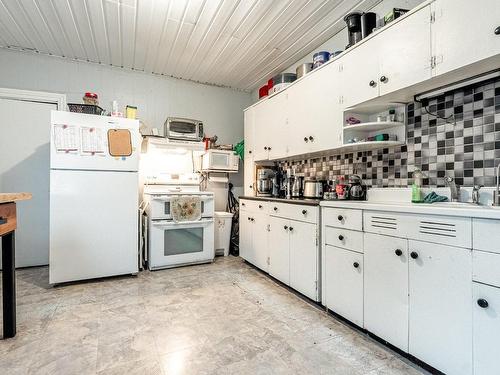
(462, 141)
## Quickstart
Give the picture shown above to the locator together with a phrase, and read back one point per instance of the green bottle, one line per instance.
(416, 188)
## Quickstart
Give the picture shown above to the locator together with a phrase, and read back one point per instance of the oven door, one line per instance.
(173, 244)
(160, 206)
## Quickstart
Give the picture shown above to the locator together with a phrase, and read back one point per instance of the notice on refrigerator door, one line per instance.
(92, 141)
(65, 138)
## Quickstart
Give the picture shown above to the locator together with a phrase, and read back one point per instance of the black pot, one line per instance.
(368, 23)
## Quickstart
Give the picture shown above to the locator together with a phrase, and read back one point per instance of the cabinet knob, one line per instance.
(251, 187)
(341, 237)
(340, 217)
(275, 208)
(305, 139)
(355, 264)
(291, 229)
(249, 151)
(253, 219)
(304, 212)
(249, 218)
(311, 138)
(243, 204)
(398, 252)
(265, 148)
(482, 303)
(372, 83)
(497, 31)
(383, 79)
(285, 227)
(260, 206)
(414, 255)
(269, 148)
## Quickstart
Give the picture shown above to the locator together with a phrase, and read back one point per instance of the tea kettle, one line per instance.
(357, 191)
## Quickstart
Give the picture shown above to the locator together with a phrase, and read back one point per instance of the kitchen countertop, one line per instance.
(304, 201)
(12, 197)
(445, 208)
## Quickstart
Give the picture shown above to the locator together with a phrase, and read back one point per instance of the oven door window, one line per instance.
(183, 241)
(182, 128)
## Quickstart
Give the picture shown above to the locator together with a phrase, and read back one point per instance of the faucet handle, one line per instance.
(477, 187)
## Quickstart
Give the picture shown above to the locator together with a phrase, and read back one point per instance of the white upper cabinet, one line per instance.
(464, 33)
(314, 112)
(270, 128)
(405, 52)
(248, 130)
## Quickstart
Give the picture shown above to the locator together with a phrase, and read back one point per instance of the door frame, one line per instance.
(35, 96)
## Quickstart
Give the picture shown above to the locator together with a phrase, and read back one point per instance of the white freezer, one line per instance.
(93, 224)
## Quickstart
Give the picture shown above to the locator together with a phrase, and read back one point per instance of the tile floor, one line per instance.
(222, 318)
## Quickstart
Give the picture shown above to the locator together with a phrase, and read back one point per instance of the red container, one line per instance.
(270, 84)
(263, 91)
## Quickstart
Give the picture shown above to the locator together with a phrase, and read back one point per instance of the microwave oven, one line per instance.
(184, 129)
(220, 160)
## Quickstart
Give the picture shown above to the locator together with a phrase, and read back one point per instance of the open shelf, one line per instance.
(374, 125)
(367, 146)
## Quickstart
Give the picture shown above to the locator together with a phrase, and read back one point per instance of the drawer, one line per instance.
(343, 218)
(297, 212)
(344, 238)
(8, 219)
(486, 235)
(485, 267)
(254, 205)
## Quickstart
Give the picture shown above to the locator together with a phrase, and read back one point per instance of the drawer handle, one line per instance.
(398, 252)
(340, 217)
(341, 237)
(291, 229)
(275, 208)
(414, 255)
(285, 227)
(355, 264)
(3, 220)
(260, 206)
(497, 31)
(304, 212)
(482, 303)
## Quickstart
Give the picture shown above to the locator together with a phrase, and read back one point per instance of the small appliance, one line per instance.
(353, 22)
(215, 160)
(368, 23)
(313, 188)
(297, 186)
(265, 177)
(357, 191)
(183, 129)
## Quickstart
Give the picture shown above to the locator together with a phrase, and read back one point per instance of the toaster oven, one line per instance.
(184, 129)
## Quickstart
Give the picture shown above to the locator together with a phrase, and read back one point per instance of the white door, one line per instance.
(440, 309)
(246, 227)
(270, 129)
(260, 240)
(279, 255)
(304, 258)
(248, 164)
(405, 54)
(486, 312)
(343, 289)
(248, 175)
(24, 166)
(93, 225)
(386, 288)
(360, 74)
(458, 40)
(314, 111)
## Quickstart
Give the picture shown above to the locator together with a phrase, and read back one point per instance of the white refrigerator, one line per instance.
(94, 193)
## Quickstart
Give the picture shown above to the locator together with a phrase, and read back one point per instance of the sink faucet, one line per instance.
(496, 193)
(475, 193)
(454, 189)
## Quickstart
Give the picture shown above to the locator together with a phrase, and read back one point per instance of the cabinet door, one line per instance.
(270, 128)
(457, 40)
(486, 329)
(313, 109)
(440, 309)
(343, 288)
(248, 131)
(260, 240)
(249, 175)
(246, 247)
(304, 258)
(360, 74)
(279, 256)
(404, 51)
(386, 288)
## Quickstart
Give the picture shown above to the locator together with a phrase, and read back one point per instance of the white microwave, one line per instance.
(220, 160)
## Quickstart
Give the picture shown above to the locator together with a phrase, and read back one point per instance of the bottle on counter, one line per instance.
(416, 187)
(342, 189)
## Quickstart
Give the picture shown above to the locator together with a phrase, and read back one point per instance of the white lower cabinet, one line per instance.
(279, 249)
(343, 283)
(386, 288)
(486, 327)
(440, 316)
(246, 243)
(303, 258)
(254, 246)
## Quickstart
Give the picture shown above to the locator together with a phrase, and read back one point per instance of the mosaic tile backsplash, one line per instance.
(456, 134)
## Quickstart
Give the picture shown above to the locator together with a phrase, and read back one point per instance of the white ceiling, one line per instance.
(236, 43)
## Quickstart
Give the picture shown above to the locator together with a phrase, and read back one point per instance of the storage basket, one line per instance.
(85, 108)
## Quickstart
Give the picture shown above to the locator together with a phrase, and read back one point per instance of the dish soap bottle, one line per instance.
(416, 188)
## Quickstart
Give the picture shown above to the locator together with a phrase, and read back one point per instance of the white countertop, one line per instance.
(445, 209)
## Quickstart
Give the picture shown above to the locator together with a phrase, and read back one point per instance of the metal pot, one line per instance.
(313, 189)
(303, 69)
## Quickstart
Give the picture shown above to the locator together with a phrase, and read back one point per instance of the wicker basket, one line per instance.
(85, 108)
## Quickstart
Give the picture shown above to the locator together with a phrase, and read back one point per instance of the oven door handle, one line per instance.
(181, 224)
(161, 198)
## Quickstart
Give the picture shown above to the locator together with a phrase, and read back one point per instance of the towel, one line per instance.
(186, 209)
(432, 197)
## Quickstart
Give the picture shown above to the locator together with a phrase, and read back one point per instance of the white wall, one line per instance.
(339, 40)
